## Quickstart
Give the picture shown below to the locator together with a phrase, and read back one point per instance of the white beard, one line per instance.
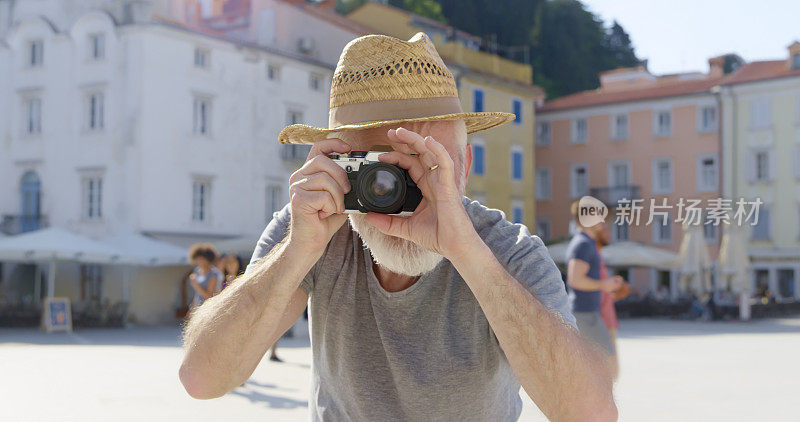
(397, 255)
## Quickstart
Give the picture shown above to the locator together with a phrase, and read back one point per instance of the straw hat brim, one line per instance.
(305, 134)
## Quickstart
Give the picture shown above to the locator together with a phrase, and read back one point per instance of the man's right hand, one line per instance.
(611, 284)
(316, 195)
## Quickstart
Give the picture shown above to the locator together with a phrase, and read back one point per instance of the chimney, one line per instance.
(794, 55)
(716, 66)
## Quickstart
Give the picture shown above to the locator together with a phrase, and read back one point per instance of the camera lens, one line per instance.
(381, 188)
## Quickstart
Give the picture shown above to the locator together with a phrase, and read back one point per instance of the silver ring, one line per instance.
(433, 167)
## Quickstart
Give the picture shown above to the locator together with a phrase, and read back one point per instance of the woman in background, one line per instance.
(231, 268)
(206, 279)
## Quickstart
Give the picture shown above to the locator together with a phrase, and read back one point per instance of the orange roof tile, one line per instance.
(663, 89)
(759, 71)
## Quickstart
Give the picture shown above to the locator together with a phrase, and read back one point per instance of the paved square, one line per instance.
(671, 370)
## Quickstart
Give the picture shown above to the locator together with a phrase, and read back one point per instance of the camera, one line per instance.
(375, 186)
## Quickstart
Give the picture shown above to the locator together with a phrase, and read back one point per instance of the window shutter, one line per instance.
(750, 166)
(772, 164)
(797, 161)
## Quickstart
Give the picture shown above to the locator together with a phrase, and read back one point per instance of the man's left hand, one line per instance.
(440, 222)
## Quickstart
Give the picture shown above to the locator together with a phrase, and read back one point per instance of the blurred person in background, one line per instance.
(231, 268)
(608, 312)
(206, 279)
(585, 278)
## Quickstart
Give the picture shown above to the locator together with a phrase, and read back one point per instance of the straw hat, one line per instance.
(382, 80)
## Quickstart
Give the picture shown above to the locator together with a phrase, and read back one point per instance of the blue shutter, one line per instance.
(516, 165)
(478, 97)
(477, 159)
(517, 110)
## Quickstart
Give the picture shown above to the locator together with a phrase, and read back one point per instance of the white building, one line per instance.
(114, 119)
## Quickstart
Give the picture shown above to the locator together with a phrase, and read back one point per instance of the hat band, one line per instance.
(406, 108)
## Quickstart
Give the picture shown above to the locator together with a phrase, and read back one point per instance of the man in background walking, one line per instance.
(584, 277)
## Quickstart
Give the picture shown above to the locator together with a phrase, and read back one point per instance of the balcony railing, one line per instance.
(16, 224)
(611, 195)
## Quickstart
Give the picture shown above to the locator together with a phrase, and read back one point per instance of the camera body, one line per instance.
(375, 186)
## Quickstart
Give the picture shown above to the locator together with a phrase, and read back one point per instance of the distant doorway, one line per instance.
(30, 191)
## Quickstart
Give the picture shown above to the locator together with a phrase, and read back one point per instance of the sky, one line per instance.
(680, 35)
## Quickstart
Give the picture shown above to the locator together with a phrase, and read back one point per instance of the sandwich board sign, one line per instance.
(57, 315)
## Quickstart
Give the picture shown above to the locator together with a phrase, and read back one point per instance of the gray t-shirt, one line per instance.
(424, 353)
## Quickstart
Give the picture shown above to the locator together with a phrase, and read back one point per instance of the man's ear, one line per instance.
(467, 163)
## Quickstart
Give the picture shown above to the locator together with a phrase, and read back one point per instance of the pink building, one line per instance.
(638, 136)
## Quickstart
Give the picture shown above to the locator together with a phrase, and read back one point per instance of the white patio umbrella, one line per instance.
(694, 262)
(623, 254)
(241, 245)
(54, 244)
(734, 266)
(137, 249)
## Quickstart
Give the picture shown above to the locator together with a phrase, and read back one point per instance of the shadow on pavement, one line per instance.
(271, 401)
(646, 328)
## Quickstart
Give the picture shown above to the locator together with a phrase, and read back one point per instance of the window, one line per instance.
(33, 116)
(761, 231)
(200, 57)
(619, 174)
(273, 72)
(663, 124)
(760, 113)
(619, 127)
(295, 152)
(710, 232)
(662, 175)
(708, 119)
(273, 201)
(95, 111)
(477, 100)
(620, 232)
(543, 228)
(796, 61)
(761, 165)
(543, 134)
(97, 46)
(91, 283)
(517, 212)
(516, 108)
(786, 283)
(707, 173)
(662, 229)
(92, 198)
(579, 131)
(478, 157)
(35, 53)
(315, 81)
(543, 183)
(516, 162)
(201, 192)
(202, 116)
(578, 180)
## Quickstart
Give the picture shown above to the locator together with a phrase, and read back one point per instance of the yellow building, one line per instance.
(761, 162)
(502, 175)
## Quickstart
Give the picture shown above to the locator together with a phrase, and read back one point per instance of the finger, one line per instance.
(408, 162)
(321, 163)
(412, 139)
(328, 146)
(313, 201)
(323, 181)
(391, 225)
(443, 158)
(397, 145)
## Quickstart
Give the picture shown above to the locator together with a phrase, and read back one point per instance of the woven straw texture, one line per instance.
(378, 67)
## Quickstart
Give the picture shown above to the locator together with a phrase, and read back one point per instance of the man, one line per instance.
(584, 266)
(437, 316)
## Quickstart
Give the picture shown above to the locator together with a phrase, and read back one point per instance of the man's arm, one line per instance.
(562, 374)
(226, 338)
(577, 278)
(228, 335)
